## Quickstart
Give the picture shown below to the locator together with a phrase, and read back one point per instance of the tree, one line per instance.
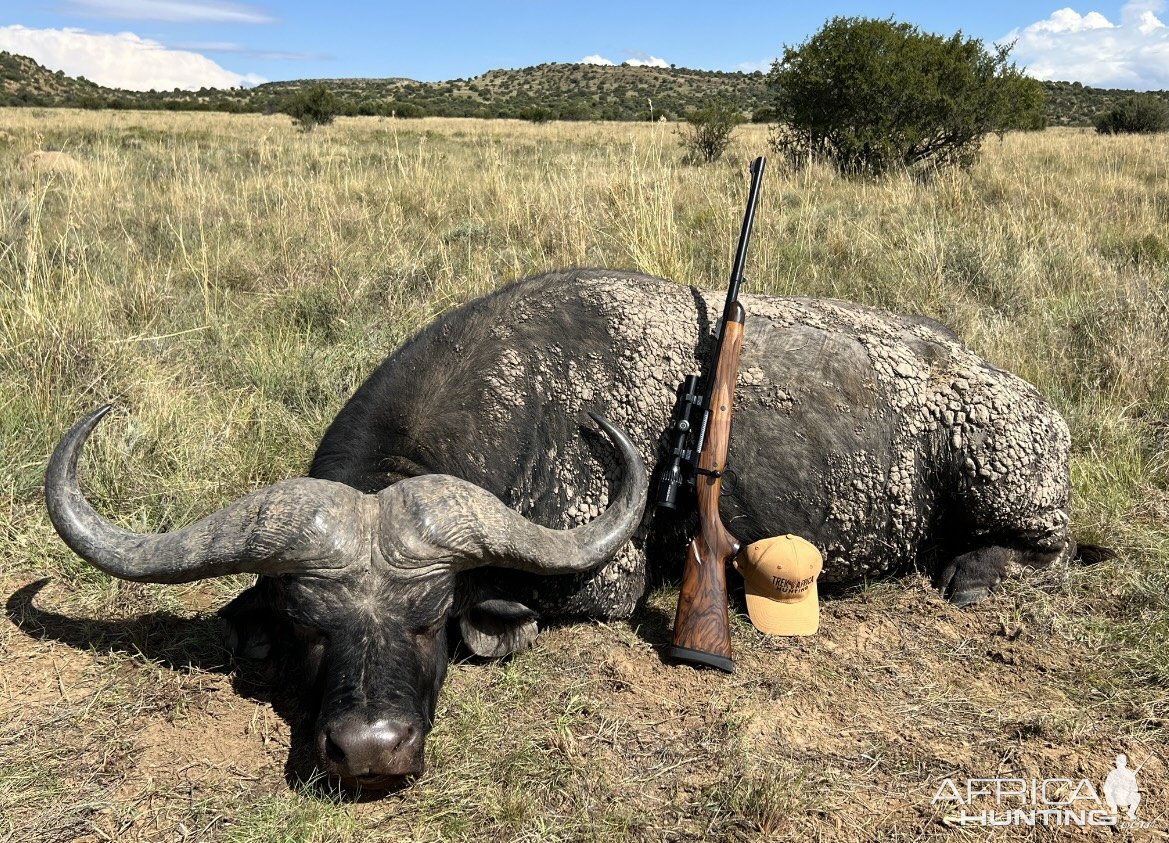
(1143, 114)
(311, 107)
(873, 94)
(707, 131)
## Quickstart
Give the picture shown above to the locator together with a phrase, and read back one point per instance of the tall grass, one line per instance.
(229, 281)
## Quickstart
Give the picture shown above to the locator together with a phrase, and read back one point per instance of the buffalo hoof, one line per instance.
(972, 576)
(968, 597)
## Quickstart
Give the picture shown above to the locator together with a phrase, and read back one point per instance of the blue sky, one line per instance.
(189, 43)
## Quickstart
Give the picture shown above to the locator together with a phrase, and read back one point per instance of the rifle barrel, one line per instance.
(745, 233)
(732, 294)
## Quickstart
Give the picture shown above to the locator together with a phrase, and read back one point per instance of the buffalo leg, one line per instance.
(972, 576)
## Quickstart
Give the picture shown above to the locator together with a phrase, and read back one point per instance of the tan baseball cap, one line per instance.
(780, 574)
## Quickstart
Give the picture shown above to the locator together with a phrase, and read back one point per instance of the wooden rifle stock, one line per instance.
(702, 628)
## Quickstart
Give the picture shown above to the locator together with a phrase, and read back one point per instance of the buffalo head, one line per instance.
(366, 583)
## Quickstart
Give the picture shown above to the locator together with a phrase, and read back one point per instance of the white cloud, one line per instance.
(175, 11)
(120, 61)
(1091, 49)
(642, 60)
(1069, 20)
(1149, 23)
(650, 61)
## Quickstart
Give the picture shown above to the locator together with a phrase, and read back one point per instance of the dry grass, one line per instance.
(229, 281)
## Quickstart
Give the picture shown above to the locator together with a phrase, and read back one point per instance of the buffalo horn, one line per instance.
(468, 526)
(292, 526)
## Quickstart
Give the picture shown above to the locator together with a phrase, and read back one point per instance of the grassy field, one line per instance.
(228, 281)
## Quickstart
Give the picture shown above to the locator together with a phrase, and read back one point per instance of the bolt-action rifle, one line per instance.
(698, 458)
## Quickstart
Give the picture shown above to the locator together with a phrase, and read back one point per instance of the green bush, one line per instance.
(707, 131)
(536, 114)
(1139, 114)
(764, 114)
(870, 95)
(311, 107)
(406, 110)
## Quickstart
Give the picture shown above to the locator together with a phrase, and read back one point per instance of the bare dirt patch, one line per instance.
(846, 735)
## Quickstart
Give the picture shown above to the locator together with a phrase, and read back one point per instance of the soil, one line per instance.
(845, 735)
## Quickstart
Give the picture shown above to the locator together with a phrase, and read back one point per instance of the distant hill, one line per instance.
(1073, 104)
(559, 91)
(24, 82)
(546, 91)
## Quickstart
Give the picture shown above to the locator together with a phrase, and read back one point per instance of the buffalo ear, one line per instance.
(497, 628)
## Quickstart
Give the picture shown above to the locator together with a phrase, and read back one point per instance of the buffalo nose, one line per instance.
(358, 749)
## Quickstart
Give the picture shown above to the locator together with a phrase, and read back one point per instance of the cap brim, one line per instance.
(779, 617)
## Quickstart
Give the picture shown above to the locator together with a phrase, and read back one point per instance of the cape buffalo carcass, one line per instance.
(878, 437)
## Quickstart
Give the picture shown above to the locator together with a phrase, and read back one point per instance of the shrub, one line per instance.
(874, 94)
(406, 110)
(764, 114)
(707, 131)
(1143, 114)
(535, 114)
(311, 107)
